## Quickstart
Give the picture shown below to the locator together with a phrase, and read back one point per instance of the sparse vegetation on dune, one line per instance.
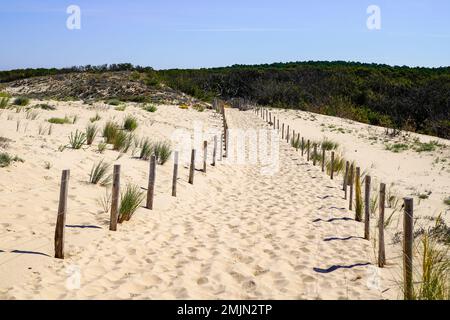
(146, 149)
(45, 106)
(64, 120)
(110, 131)
(113, 102)
(130, 201)
(77, 140)
(21, 101)
(130, 123)
(95, 118)
(150, 108)
(91, 133)
(339, 164)
(122, 141)
(6, 159)
(99, 173)
(162, 151)
(4, 103)
(4, 142)
(329, 145)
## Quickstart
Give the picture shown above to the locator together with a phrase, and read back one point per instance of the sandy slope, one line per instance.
(235, 234)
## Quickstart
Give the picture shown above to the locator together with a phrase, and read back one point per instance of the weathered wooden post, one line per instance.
(61, 217)
(175, 174)
(303, 146)
(214, 152)
(332, 165)
(293, 138)
(192, 167)
(344, 184)
(408, 231)
(307, 150)
(287, 134)
(205, 155)
(367, 208)
(151, 183)
(115, 198)
(278, 124)
(282, 131)
(297, 142)
(351, 182)
(270, 118)
(315, 154)
(381, 247)
(323, 159)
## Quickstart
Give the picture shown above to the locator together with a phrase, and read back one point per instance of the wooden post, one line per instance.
(351, 181)
(323, 160)
(282, 132)
(367, 208)
(315, 154)
(332, 165)
(270, 118)
(287, 134)
(344, 184)
(214, 152)
(303, 146)
(61, 218)
(408, 232)
(381, 248)
(278, 124)
(115, 198)
(151, 183)
(175, 174)
(192, 167)
(307, 150)
(205, 155)
(297, 142)
(293, 138)
(221, 148)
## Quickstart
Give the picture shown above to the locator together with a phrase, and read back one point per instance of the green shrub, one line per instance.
(150, 108)
(130, 200)
(110, 131)
(77, 140)
(91, 133)
(113, 102)
(21, 101)
(130, 123)
(99, 174)
(162, 151)
(64, 120)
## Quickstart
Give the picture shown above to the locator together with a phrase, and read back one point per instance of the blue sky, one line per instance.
(205, 33)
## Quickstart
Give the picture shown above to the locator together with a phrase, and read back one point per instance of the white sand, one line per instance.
(235, 234)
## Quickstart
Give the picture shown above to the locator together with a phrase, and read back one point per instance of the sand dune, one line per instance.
(234, 234)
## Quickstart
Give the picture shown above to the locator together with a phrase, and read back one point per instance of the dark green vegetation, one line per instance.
(414, 99)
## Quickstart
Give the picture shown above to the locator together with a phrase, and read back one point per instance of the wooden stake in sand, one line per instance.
(332, 165)
(192, 167)
(297, 142)
(115, 198)
(351, 182)
(408, 232)
(214, 152)
(61, 218)
(282, 131)
(278, 124)
(307, 150)
(367, 208)
(205, 155)
(175, 174)
(344, 184)
(287, 134)
(315, 154)
(323, 160)
(303, 146)
(381, 248)
(151, 183)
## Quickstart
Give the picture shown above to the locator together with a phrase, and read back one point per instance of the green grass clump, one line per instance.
(199, 107)
(130, 123)
(91, 133)
(99, 174)
(110, 131)
(435, 282)
(329, 145)
(6, 159)
(32, 115)
(150, 108)
(77, 140)
(426, 147)
(162, 151)
(45, 106)
(96, 118)
(120, 108)
(4, 102)
(397, 147)
(122, 141)
(296, 143)
(130, 200)
(64, 120)
(338, 165)
(4, 95)
(146, 149)
(447, 201)
(101, 147)
(21, 101)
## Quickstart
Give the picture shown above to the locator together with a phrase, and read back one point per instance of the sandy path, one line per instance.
(236, 234)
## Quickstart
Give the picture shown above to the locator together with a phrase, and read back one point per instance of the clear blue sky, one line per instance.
(204, 33)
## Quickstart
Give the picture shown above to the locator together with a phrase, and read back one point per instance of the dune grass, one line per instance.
(105, 201)
(329, 145)
(122, 141)
(64, 120)
(110, 131)
(99, 173)
(146, 149)
(44, 106)
(91, 133)
(4, 102)
(130, 200)
(95, 118)
(338, 165)
(199, 107)
(101, 147)
(150, 108)
(113, 102)
(77, 139)
(162, 151)
(21, 101)
(6, 159)
(130, 123)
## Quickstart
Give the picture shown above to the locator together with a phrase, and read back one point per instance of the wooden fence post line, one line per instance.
(408, 232)
(323, 160)
(192, 167)
(381, 248)
(115, 198)
(332, 166)
(61, 217)
(351, 182)
(367, 208)
(175, 174)
(151, 183)
(214, 152)
(307, 150)
(205, 155)
(315, 154)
